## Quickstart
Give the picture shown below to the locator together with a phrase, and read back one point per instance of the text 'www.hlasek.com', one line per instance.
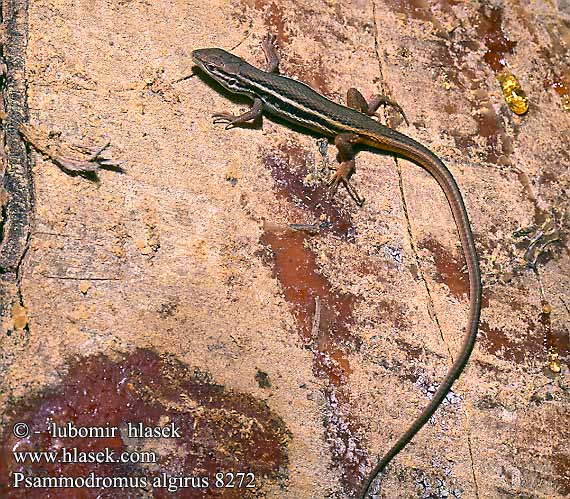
(142, 457)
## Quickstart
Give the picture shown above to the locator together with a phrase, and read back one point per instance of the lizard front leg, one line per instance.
(231, 120)
(272, 66)
(271, 55)
(345, 143)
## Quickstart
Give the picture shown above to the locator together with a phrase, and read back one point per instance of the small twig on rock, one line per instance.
(73, 158)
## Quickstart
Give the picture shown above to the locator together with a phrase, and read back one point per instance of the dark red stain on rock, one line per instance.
(555, 71)
(520, 347)
(220, 430)
(327, 333)
(273, 14)
(450, 268)
(488, 22)
(330, 340)
(490, 28)
(556, 338)
(289, 164)
(454, 53)
(295, 266)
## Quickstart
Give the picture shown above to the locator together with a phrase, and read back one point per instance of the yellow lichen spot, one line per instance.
(19, 316)
(84, 287)
(513, 92)
(447, 85)
(565, 98)
(554, 361)
(518, 104)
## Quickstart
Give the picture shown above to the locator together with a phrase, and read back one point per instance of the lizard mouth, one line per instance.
(197, 57)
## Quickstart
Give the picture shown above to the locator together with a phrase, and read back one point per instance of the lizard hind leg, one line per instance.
(355, 100)
(345, 143)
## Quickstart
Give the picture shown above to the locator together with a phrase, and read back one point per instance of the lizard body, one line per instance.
(349, 126)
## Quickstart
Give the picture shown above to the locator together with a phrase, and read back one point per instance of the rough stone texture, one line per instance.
(178, 253)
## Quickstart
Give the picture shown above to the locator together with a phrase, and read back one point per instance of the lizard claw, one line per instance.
(396, 106)
(268, 42)
(224, 119)
(342, 176)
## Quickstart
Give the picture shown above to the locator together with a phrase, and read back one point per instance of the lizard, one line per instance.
(349, 126)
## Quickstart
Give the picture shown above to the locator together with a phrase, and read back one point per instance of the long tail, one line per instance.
(412, 150)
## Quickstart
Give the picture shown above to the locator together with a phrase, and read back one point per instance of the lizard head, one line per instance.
(222, 67)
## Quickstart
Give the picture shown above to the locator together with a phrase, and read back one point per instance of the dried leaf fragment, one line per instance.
(75, 158)
(547, 234)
